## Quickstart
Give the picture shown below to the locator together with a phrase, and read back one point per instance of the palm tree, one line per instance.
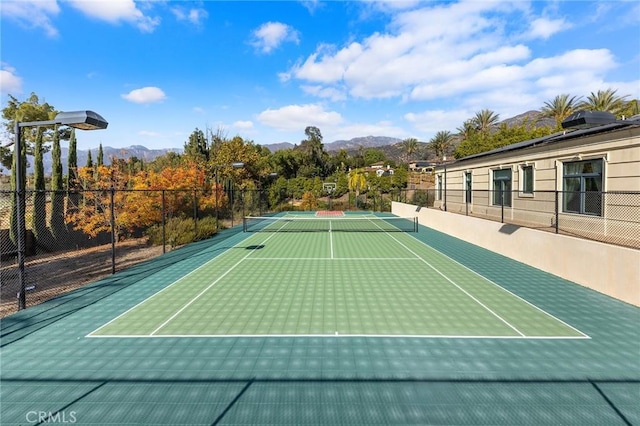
(559, 108)
(604, 100)
(440, 143)
(484, 119)
(357, 181)
(410, 145)
(466, 129)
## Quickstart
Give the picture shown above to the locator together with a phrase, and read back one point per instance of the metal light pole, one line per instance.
(444, 161)
(84, 120)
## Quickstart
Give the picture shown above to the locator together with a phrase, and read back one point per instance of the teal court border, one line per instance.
(421, 257)
(46, 364)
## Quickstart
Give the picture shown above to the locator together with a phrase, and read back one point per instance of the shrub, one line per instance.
(180, 231)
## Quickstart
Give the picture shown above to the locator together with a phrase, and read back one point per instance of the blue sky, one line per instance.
(264, 70)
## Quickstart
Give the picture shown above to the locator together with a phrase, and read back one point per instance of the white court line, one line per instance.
(163, 289)
(504, 289)
(455, 284)
(351, 259)
(386, 336)
(331, 239)
(207, 289)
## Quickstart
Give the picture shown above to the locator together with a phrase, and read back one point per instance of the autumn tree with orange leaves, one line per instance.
(138, 200)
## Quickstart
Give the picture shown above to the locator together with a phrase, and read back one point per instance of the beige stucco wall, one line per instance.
(608, 269)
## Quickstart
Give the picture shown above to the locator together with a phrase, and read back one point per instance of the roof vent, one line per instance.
(587, 119)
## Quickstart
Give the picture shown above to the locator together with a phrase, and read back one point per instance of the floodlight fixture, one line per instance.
(85, 120)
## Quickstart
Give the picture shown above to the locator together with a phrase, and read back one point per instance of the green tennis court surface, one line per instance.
(241, 329)
(334, 284)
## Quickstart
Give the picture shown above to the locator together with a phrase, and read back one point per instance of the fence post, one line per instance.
(113, 232)
(502, 205)
(164, 225)
(195, 213)
(557, 212)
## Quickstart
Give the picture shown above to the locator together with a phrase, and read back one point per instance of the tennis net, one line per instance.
(330, 224)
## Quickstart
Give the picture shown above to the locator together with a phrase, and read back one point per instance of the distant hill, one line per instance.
(356, 143)
(351, 144)
(532, 117)
(139, 151)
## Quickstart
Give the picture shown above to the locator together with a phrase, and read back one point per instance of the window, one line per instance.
(467, 187)
(582, 186)
(527, 179)
(502, 187)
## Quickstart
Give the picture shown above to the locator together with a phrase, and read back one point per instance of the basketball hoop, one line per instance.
(329, 187)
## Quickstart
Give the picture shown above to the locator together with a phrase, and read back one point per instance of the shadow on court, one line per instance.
(415, 401)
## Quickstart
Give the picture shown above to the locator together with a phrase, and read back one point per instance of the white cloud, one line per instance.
(10, 82)
(148, 133)
(115, 11)
(195, 16)
(198, 109)
(32, 14)
(544, 28)
(465, 54)
(271, 35)
(312, 5)
(296, 117)
(243, 124)
(145, 95)
(331, 93)
(432, 121)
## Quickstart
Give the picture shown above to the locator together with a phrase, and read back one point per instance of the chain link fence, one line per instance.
(610, 217)
(73, 238)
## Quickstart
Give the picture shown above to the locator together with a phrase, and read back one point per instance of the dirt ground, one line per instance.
(61, 272)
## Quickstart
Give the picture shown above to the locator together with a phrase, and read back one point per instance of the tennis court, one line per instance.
(330, 319)
(338, 276)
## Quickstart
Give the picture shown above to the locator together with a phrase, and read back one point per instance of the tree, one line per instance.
(28, 110)
(286, 163)
(631, 108)
(56, 218)
(341, 161)
(93, 216)
(309, 201)
(467, 129)
(314, 160)
(197, 147)
(504, 135)
(440, 143)
(484, 119)
(89, 160)
(410, 146)
(73, 199)
(373, 155)
(100, 157)
(39, 215)
(559, 108)
(604, 100)
(233, 151)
